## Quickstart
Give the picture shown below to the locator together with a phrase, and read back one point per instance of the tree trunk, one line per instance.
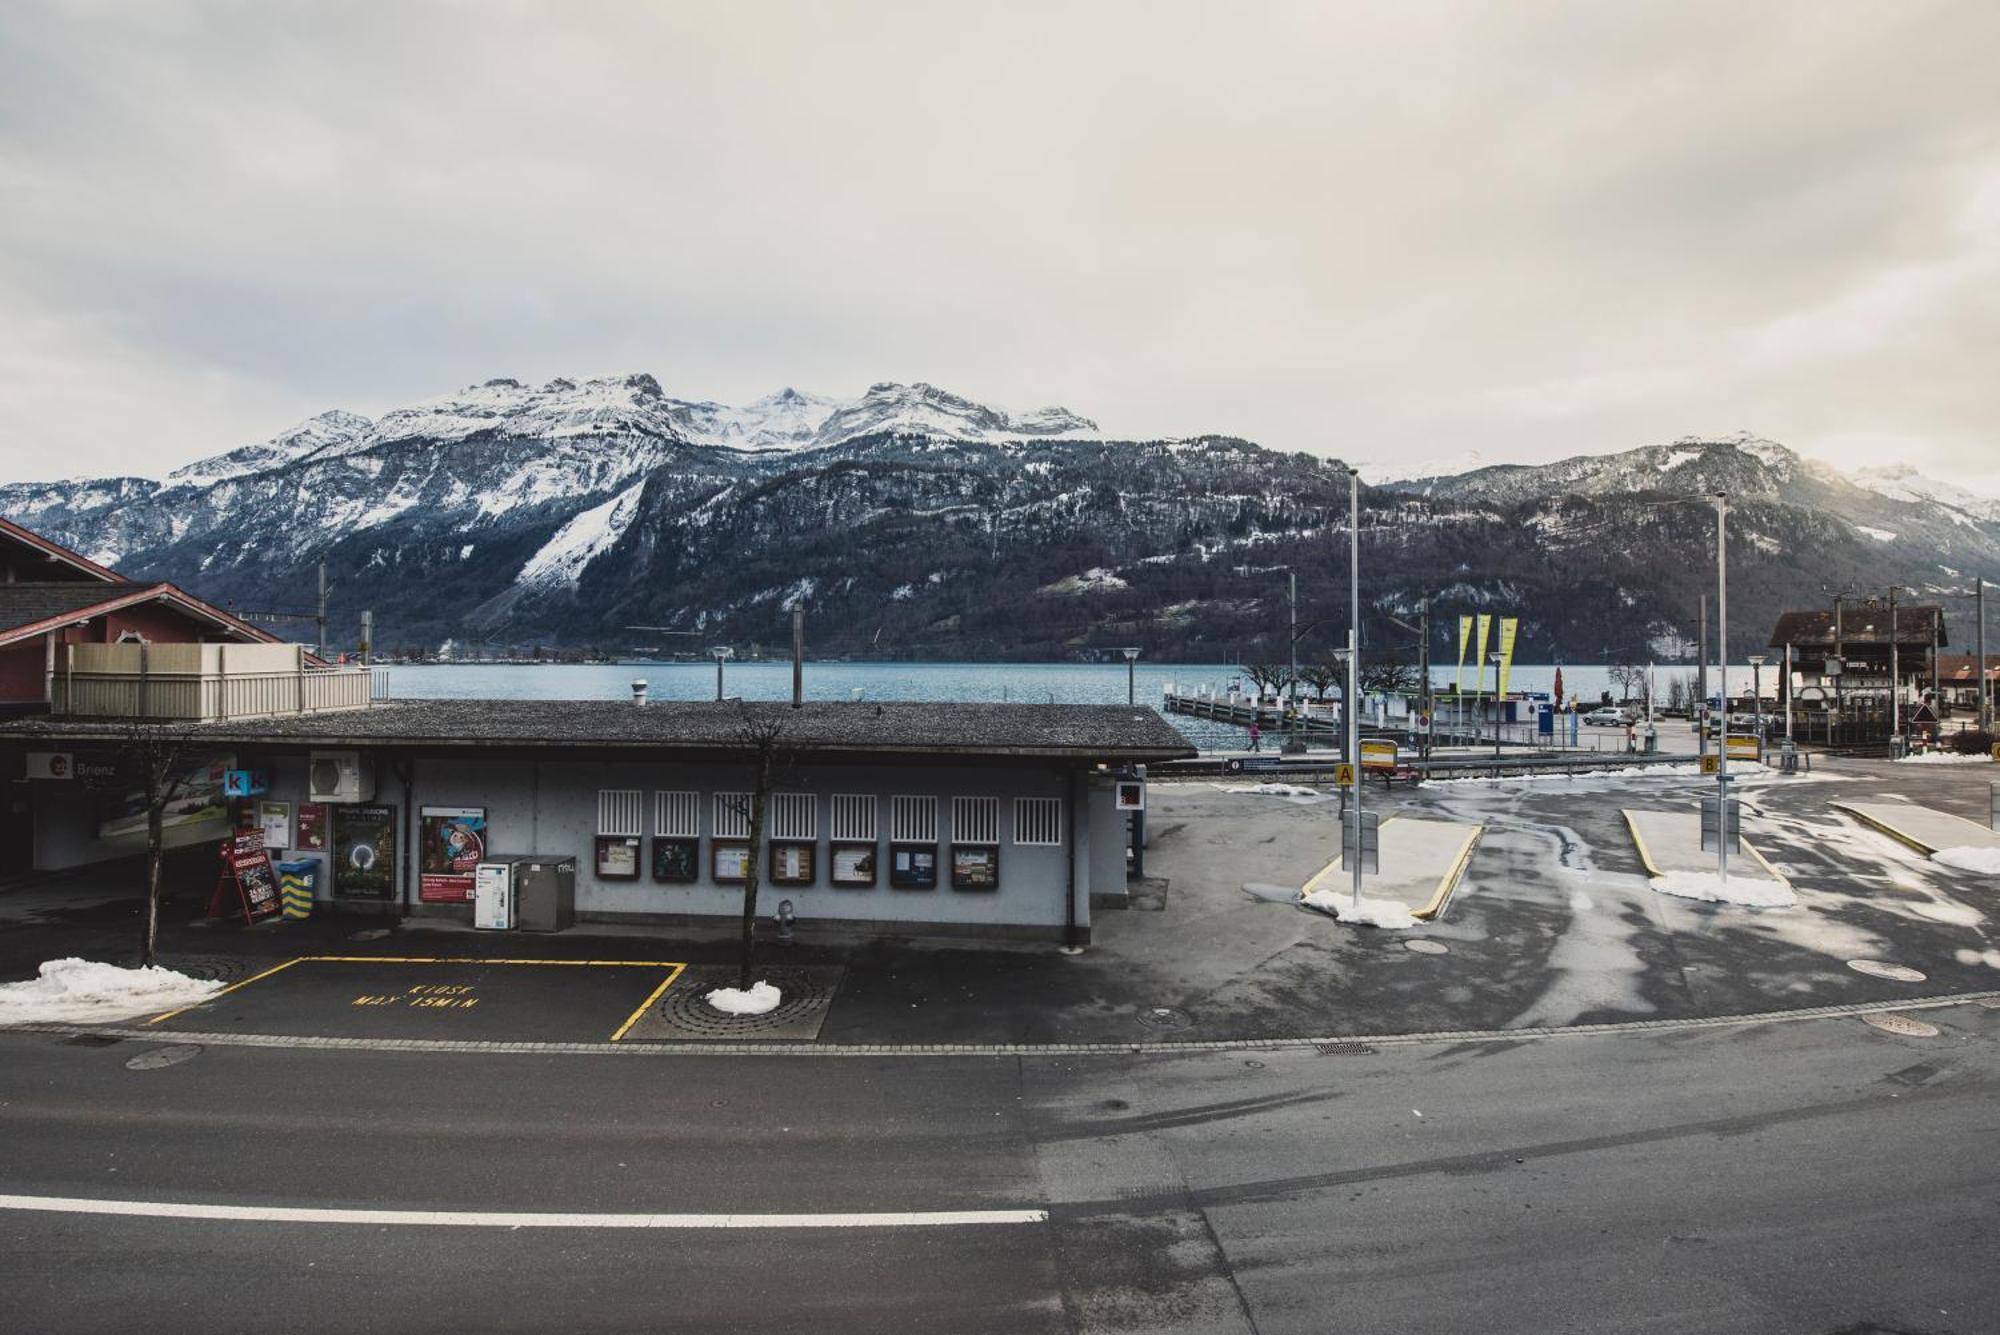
(155, 836)
(756, 861)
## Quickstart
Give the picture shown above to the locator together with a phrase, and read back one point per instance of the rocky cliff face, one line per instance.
(914, 522)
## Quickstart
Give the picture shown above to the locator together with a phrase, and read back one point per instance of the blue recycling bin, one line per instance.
(298, 884)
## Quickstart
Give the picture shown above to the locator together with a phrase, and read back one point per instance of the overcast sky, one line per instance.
(1384, 232)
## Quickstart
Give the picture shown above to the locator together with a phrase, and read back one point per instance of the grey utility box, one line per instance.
(545, 891)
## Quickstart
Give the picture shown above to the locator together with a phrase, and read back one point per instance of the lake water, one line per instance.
(1033, 683)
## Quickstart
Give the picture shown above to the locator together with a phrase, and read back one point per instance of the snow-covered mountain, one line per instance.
(1903, 483)
(913, 520)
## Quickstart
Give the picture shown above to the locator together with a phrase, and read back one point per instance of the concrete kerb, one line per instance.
(1653, 867)
(1439, 899)
(1847, 1010)
(1907, 840)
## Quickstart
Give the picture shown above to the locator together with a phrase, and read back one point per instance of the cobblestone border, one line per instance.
(1151, 1048)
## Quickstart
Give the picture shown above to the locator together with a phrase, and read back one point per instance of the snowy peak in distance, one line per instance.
(329, 430)
(1900, 482)
(926, 410)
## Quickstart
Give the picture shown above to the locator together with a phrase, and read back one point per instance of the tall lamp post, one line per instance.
(1757, 690)
(1722, 662)
(720, 654)
(1131, 688)
(1494, 658)
(1354, 667)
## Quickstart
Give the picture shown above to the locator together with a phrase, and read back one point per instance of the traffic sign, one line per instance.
(1343, 775)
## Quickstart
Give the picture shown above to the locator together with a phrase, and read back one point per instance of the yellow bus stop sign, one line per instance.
(1343, 775)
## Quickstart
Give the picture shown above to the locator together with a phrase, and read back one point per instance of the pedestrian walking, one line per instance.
(1256, 738)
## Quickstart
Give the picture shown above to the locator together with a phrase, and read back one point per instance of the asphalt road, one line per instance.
(1814, 1176)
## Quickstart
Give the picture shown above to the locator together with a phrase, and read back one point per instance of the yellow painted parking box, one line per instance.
(423, 996)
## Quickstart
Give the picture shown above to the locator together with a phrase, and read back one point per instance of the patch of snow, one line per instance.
(1879, 534)
(69, 991)
(562, 559)
(465, 552)
(1944, 758)
(1385, 913)
(1985, 861)
(1748, 891)
(1095, 580)
(1636, 771)
(1268, 789)
(760, 999)
(903, 593)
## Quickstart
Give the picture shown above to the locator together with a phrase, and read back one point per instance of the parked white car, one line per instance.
(1610, 718)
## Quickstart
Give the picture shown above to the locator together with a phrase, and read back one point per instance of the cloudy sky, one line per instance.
(1385, 232)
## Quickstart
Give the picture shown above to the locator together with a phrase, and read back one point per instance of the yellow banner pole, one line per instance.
(1464, 635)
(1508, 627)
(1479, 659)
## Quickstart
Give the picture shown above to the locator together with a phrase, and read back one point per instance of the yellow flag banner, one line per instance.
(1479, 659)
(1508, 625)
(1464, 634)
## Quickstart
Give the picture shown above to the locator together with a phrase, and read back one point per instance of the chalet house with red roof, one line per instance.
(52, 597)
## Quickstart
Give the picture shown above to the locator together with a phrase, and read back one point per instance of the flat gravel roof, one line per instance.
(1077, 732)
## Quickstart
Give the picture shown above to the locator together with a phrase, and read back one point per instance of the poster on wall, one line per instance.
(676, 861)
(729, 861)
(975, 867)
(854, 866)
(793, 864)
(364, 852)
(913, 867)
(312, 831)
(451, 843)
(617, 857)
(275, 820)
(196, 799)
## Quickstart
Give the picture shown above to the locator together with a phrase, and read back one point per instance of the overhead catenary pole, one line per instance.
(1895, 669)
(1722, 685)
(319, 646)
(1292, 684)
(1788, 693)
(1979, 669)
(1701, 669)
(798, 656)
(1354, 669)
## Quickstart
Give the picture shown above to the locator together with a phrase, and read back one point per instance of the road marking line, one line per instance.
(278, 1214)
(647, 1004)
(225, 991)
(451, 959)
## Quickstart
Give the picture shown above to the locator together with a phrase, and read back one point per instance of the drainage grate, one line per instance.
(1343, 1049)
(1895, 973)
(1901, 1025)
(684, 1015)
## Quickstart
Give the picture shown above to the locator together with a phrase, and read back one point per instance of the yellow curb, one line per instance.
(1908, 840)
(1449, 882)
(1645, 857)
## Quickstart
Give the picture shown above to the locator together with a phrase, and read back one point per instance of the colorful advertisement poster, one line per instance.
(196, 798)
(364, 852)
(312, 832)
(275, 820)
(451, 843)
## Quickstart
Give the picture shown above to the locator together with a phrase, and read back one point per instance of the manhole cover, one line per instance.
(1426, 947)
(684, 1014)
(154, 1058)
(1903, 1025)
(1165, 1017)
(1895, 973)
(209, 968)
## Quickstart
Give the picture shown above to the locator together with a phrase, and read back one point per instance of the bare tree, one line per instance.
(763, 737)
(1322, 677)
(157, 759)
(1390, 677)
(1270, 677)
(1628, 678)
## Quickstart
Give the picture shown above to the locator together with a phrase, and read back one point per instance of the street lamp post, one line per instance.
(1722, 661)
(1757, 690)
(1494, 658)
(1354, 667)
(1131, 689)
(720, 654)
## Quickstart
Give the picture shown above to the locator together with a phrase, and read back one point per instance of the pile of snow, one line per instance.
(1268, 789)
(1944, 758)
(760, 999)
(73, 990)
(1749, 891)
(1368, 913)
(1631, 771)
(1985, 861)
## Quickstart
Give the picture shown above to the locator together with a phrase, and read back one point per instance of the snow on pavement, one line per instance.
(1985, 861)
(1747, 891)
(1369, 913)
(1268, 789)
(1944, 758)
(69, 991)
(761, 998)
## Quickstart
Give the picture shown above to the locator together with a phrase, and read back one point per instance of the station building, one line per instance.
(973, 819)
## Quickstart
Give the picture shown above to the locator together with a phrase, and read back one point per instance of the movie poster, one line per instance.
(364, 852)
(451, 843)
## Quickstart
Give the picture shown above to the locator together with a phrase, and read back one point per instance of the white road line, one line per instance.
(281, 1214)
